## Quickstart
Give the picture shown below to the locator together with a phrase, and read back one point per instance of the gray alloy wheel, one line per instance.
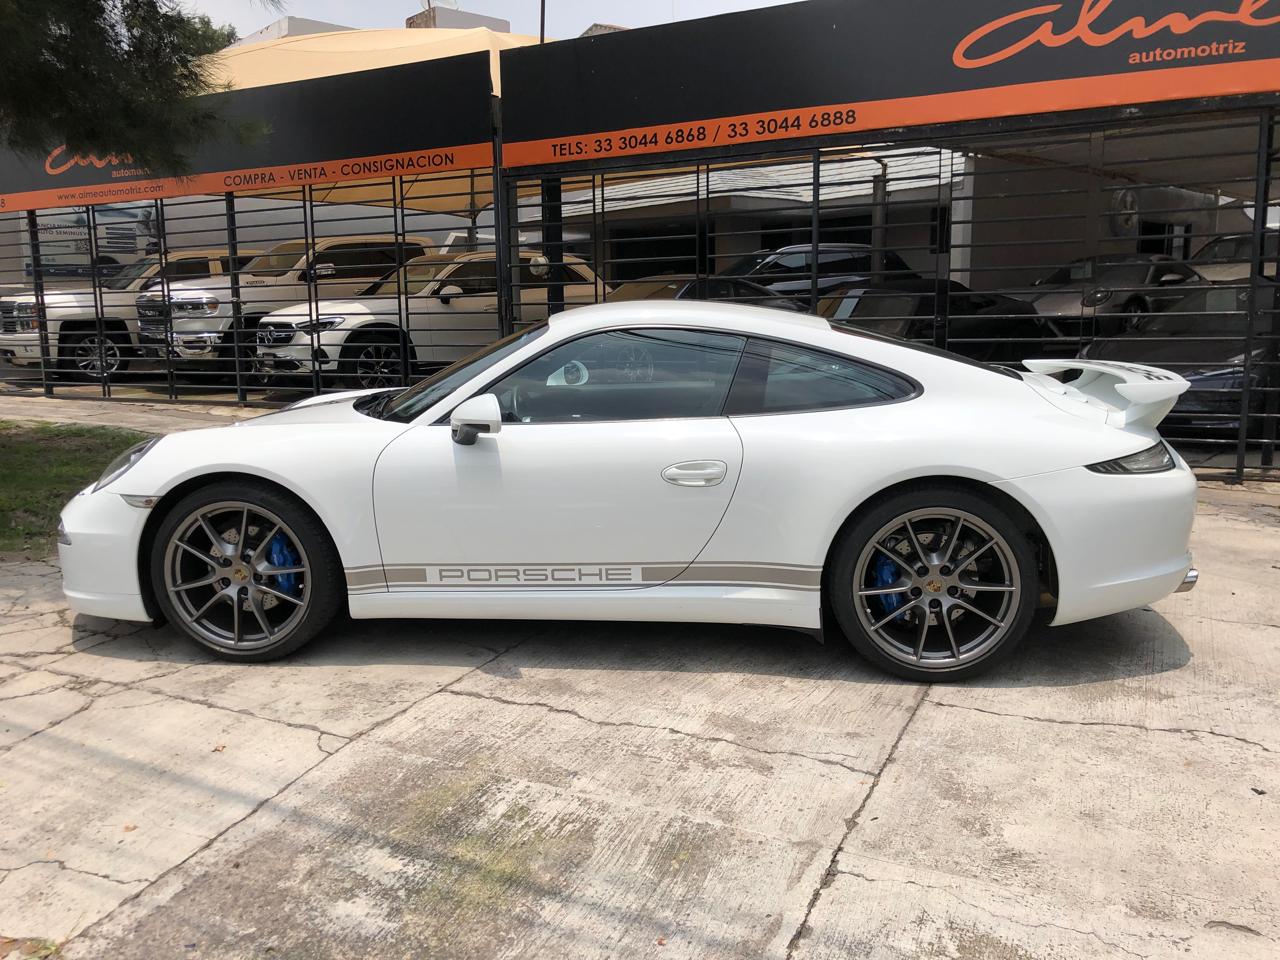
(936, 588)
(237, 576)
(92, 355)
(376, 365)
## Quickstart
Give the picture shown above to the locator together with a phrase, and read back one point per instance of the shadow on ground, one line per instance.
(1133, 644)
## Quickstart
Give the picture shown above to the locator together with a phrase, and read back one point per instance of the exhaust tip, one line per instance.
(1189, 581)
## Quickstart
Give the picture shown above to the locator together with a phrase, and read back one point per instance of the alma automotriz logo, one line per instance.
(60, 160)
(1016, 33)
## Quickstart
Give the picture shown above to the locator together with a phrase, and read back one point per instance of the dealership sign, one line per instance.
(356, 126)
(847, 66)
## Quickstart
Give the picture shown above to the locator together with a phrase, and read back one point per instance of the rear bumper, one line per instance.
(1119, 542)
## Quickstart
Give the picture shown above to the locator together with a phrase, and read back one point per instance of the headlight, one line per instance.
(195, 306)
(25, 308)
(1156, 459)
(1097, 297)
(118, 467)
(315, 326)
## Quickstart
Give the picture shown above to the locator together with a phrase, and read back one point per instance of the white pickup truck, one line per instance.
(434, 311)
(198, 323)
(78, 344)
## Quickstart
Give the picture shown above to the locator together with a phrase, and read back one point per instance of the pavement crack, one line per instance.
(89, 701)
(947, 891)
(266, 800)
(662, 729)
(1182, 731)
(850, 825)
(34, 693)
(63, 865)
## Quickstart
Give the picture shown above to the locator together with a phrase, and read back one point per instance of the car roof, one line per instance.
(466, 255)
(206, 253)
(361, 238)
(804, 247)
(690, 313)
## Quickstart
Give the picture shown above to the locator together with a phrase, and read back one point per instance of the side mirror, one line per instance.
(448, 293)
(1168, 279)
(473, 417)
(322, 270)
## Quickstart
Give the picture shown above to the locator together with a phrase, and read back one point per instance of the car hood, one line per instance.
(219, 284)
(1059, 300)
(78, 299)
(326, 408)
(355, 306)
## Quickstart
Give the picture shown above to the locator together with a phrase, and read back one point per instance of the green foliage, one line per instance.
(108, 77)
(42, 466)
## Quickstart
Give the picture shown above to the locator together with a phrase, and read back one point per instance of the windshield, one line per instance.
(277, 261)
(415, 280)
(1086, 271)
(422, 396)
(647, 290)
(747, 265)
(126, 275)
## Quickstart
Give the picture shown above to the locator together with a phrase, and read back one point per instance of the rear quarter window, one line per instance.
(786, 378)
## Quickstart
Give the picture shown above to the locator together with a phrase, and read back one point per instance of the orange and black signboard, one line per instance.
(409, 119)
(847, 66)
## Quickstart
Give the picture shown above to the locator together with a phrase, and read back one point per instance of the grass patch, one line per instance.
(42, 466)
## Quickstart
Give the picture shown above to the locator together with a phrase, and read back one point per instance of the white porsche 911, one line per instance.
(662, 462)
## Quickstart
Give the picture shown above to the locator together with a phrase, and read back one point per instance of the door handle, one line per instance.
(696, 473)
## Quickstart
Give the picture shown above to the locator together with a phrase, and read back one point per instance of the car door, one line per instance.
(456, 314)
(613, 467)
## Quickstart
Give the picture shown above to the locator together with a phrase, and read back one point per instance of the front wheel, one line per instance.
(247, 572)
(92, 356)
(370, 361)
(934, 584)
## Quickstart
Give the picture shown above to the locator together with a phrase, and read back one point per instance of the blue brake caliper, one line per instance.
(281, 554)
(884, 573)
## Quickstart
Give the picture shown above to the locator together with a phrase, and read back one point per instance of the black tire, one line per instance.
(323, 587)
(371, 359)
(72, 344)
(851, 564)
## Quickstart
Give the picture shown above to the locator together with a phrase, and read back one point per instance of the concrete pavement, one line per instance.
(127, 415)
(471, 789)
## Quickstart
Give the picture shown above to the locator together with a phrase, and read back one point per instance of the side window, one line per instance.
(357, 261)
(844, 261)
(473, 277)
(192, 269)
(784, 378)
(624, 375)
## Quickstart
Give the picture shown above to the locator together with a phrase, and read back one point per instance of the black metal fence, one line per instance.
(1151, 241)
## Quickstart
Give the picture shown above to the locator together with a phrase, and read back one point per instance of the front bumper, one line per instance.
(20, 349)
(287, 350)
(98, 546)
(1119, 542)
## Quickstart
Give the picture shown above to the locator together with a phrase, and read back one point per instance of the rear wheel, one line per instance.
(935, 583)
(247, 572)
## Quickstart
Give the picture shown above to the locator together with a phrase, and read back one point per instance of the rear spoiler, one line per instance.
(1132, 394)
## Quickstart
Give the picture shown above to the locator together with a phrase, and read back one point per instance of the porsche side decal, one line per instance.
(539, 576)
